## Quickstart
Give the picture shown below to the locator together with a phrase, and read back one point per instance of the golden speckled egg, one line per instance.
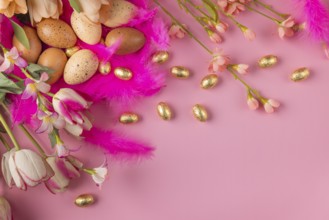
(54, 59)
(87, 31)
(300, 74)
(200, 112)
(267, 61)
(117, 13)
(84, 200)
(209, 81)
(80, 67)
(128, 118)
(164, 111)
(56, 33)
(33, 53)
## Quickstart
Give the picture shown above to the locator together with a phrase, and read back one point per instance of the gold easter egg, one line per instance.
(104, 68)
(200, 113)
(180, 72)
(267, 61)
(72, 50)
(160, 57)
(84, 200)
(209, 81)
(300, 74)
(123, 73)
(164, 111)
(128, 118)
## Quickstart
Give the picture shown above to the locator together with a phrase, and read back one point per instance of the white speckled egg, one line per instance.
(87, 31)
(80, 67)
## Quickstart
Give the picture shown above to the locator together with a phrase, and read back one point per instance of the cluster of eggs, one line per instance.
(66, 59)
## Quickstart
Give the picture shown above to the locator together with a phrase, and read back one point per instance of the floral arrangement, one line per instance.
(60, 57)
(217, 16)
(57, 59)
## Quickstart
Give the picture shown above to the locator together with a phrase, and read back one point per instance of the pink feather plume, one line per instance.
(317, 19)
(117, 145)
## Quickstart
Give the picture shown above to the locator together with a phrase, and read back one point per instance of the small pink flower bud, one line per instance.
(270, 104)
(253, 103)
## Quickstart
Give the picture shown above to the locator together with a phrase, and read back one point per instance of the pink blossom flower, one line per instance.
(98, 174)
(232, 7)
(270, 104)
(177, 31)
(70, 105)
(219, 62)
(49, 120)
(285, 28)
(61, 150)
(247, 33)
(5, 209)
(221, 27)
(27, 168)
(215, 37)
(253, 103)
(65, 170)
(241, 68)
(32, 86)
(10, 59)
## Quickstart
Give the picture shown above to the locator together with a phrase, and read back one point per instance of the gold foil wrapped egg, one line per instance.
(128, 118)
(209, 81)
(200, 113)
(164, 111)
(267, 61)
(104, 68)
(72, 50)
(180, 72)
(123, 73)
(84, 200)
(160, 57)
(300, 74)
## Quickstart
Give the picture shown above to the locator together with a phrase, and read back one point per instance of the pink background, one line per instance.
(241, 165)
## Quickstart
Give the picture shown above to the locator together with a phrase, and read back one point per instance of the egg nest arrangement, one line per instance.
(107, 60)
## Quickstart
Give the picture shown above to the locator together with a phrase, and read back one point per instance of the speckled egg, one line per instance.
(54, 59)
(131, 39)
(117, 13)
(80, 67)
(87, 31)
(33, 53)
(56, 33)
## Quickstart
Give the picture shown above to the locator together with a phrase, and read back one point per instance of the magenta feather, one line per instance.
(22, 110)
(317, 19)
(117, 145)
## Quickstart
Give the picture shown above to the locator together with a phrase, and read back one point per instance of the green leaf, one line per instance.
(52, 137)
(211, 10)
(75, 5)
(36, 70)
(9, 86)
(20, 34)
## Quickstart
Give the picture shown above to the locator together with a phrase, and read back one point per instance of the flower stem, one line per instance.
(182, 26)
(8, 130)
(261, 13)
(4, 142)
(248, 87)
(270, 8)
(33, 140)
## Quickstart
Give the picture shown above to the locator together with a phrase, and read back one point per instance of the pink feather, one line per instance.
(317, 19)
(22, 110)
(116, 145)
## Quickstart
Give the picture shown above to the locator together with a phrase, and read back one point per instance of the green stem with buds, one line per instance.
(8, 130)
(270, 8)
(182, 26)
(261, 13)
(33, 140)
(4, 142)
